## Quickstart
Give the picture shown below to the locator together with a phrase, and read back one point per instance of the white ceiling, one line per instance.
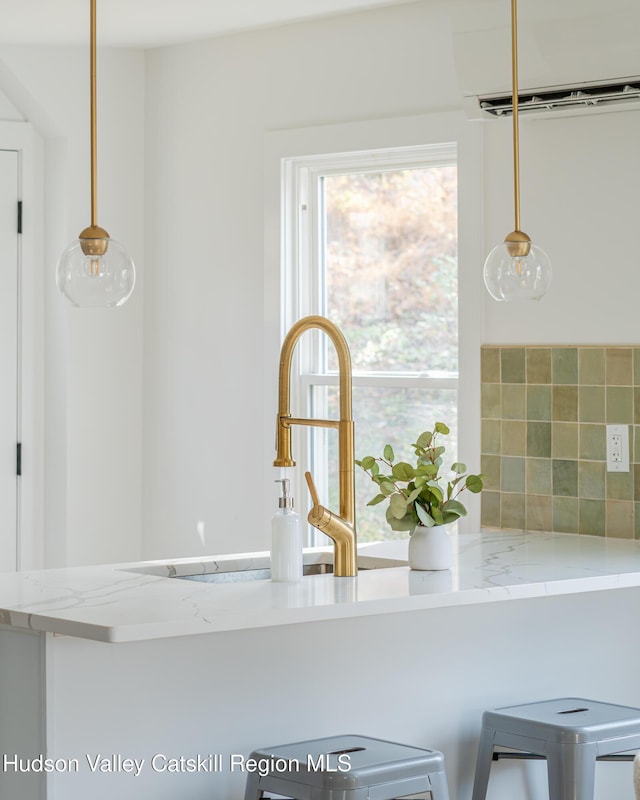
(151, 23)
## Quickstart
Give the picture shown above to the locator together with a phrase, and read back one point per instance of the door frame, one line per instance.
(22, 138)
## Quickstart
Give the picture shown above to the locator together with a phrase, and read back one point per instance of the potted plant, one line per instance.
(419, 499)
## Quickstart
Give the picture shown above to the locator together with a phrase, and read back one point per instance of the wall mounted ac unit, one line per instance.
(586, 62)
(569, 100)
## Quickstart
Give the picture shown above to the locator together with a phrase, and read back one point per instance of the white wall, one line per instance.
(182, 131)
(208, 388)
(579, 203)
(92, 369)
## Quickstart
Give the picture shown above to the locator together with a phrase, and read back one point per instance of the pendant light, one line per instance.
(95, 270)
(516, 269)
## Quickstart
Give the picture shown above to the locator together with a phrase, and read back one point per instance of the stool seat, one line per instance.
(570, 732)
(347, 767)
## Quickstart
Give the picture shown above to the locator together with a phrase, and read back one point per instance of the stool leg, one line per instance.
(571, 772)
(252, 790)
(483, 765)
(439, 786)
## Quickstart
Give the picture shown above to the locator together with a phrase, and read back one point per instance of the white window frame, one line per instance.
(303, 264)
(283, 291)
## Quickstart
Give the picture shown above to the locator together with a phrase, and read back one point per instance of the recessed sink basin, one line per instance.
(237, 575)
(256, 566)
(258, 569)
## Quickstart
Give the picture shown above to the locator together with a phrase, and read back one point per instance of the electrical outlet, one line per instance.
(617, 448)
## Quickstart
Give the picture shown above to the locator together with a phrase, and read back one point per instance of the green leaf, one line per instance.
(440, 427)
(407, 523)
(377, 499)
(424, 440)
(436, 491)
(458, 467)
(414, 494)
(438, 516)
(403, 471)
(474, 483)
(375, 469)
(398, 505)
(388, 452)
(455, 507)
(367, 462)
(438, 451)
(424, 516)
(387, 488)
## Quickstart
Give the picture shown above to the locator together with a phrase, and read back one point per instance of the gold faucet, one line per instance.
(341, 528)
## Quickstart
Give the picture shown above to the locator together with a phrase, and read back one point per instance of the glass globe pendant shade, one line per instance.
(95, 271)
(517, 271)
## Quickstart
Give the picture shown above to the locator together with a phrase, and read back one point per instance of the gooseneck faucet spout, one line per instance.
(341, 528)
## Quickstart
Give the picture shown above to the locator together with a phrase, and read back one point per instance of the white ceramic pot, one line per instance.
(430, 548)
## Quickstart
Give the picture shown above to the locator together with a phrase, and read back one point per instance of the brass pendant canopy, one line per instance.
(516, 269)
(95, 270)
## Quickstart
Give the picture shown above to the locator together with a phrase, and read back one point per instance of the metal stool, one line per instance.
(346, 768)
(571, 733)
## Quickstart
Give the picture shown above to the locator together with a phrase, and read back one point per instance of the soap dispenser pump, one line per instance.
(286, 539)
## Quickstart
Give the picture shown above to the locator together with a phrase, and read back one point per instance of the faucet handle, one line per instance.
(312, 489)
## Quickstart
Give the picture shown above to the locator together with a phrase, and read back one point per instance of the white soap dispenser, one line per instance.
(286, 539)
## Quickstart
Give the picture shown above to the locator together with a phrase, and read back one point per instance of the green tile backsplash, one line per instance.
(544, 411)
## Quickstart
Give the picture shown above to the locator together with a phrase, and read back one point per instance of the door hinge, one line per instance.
(19, 216)
(19, 458)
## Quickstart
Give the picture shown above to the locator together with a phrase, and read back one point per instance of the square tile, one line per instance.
(490, 509)
(592, 479)
(512, 475)
(538, 476)
(591, 369)
(619, 366)
(636, 481)
(539, 439)
(490, 468)
(513, 401)
(490, 400)
(539, 402)
(565, 403)
(620, 485)
(490, 436)
(636, 520)
(564, 475)
(513, 435)
(512, 511)
(592, 517)
(490, 364)
(620, 519)
(636, 366)
(593, 442)
(636, 405)
(565, 513)
(512, 364)
(564, 365)
(538, 364)
(538, 513)
(591, 403)
(620, 405)
(564, 440)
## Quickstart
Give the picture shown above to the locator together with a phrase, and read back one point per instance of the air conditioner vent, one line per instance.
(582, 97)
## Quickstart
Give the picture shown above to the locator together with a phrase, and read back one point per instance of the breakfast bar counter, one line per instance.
(133, 602)
(128, 682)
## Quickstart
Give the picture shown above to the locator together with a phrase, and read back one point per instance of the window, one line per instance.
(370, 241)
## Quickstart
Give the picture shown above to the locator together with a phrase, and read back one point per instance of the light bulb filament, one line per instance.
(94, 269)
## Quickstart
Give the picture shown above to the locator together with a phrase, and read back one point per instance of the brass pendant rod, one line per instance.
(516, 133)
(94, 127)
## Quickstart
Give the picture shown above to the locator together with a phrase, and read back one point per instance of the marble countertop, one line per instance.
(132, 602)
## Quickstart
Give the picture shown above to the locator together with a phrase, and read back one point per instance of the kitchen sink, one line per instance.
(256, 566)
(258, 569)
(264, 574)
